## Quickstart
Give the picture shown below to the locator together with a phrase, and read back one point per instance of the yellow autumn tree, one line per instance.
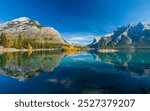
(30, 47)
(71, 50)
(10, 43)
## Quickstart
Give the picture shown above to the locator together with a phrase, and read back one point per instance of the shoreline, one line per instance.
(107, 50)
(5, 50)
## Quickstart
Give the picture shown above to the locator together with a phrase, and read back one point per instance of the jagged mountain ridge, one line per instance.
(130, 36)
(30, 28)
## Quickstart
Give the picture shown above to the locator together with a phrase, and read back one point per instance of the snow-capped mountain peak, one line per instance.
(20, 24)
(132, 35)
(146, 25)
(22, 19)
(30, 28)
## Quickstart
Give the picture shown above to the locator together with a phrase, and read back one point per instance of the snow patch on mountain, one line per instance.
(30, 28)
(132, 35)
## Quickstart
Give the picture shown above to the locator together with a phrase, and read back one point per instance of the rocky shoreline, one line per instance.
(4, 50)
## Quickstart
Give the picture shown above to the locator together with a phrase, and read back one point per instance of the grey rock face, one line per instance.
(130, 36)
(32, 29)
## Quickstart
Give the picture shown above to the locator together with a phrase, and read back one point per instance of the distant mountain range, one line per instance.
(29, 28)
(130, 36)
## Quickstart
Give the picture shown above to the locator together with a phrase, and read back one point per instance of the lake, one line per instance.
(54, 72)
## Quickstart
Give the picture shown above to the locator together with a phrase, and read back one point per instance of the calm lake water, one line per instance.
(50, 72)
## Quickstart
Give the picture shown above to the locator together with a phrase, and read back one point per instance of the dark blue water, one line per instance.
(124, 72)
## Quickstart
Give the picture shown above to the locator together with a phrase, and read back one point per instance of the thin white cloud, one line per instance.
(79, 38)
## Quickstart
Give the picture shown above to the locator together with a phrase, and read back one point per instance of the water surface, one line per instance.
(53, 72)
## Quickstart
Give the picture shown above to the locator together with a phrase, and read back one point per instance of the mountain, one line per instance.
(130, 36)
(32, 29)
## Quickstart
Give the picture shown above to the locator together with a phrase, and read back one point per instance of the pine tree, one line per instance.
(104, 45)
(3, 40)
(20, 41)
(10, 43)
(112, 46)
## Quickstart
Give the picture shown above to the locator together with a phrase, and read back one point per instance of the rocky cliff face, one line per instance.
(130, 36)
(32, 29)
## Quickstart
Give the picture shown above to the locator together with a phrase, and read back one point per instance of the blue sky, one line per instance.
(78, 20)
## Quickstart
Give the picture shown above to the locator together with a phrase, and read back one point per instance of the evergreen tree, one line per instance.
(104, 45)
(20, 41)
(10, 43)
(3, 40)
(112, 45)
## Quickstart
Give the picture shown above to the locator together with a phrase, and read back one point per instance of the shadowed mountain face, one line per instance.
(130, 36)
(22, 66)
(32, 29)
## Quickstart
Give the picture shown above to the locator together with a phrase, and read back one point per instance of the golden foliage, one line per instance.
(71, 50)
(30, 47)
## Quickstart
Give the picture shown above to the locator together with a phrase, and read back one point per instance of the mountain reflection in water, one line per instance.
(22, 66)
(134, 62)
(84, 72)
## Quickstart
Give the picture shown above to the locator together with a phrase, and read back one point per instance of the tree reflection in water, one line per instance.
(24, 65)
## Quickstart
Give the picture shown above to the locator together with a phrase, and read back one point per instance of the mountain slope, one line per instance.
(130, 36)
(32, 29)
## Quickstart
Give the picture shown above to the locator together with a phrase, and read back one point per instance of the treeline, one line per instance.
(26, 43)
(104, 45)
